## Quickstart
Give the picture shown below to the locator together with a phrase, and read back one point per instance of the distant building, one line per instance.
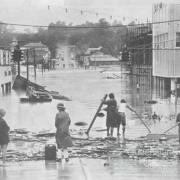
(166, 44)
(37, 51)
(5, 71)
(66, 54)
(95, 57)
(100, 59)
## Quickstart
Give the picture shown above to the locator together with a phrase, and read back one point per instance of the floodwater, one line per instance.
(86, 88)
(91, 169)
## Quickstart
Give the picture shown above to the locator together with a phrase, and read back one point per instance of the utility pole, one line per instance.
(27, 64)
(176, 98)
(34, 53)
(42, 64)
(18, 48)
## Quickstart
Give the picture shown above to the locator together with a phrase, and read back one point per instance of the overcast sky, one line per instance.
(42, 12)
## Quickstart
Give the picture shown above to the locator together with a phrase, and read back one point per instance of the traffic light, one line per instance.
(125, 55)
(17, 55)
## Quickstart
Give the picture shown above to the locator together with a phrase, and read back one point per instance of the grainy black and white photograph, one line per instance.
(89, 89)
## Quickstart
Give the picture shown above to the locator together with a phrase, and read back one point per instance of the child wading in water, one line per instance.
(121, 117)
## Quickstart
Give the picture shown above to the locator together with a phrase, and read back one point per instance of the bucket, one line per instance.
(50, 152)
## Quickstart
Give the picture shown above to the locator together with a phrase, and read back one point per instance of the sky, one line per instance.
(42, 12)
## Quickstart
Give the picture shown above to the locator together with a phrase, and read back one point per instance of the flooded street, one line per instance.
(86, 88)
(87, 169)
(89, 91)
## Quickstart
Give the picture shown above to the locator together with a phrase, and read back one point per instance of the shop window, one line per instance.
(178, 39)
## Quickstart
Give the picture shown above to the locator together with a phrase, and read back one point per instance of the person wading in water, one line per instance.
(111, 108)
(63, 139)
(4, 136)
(121, 116)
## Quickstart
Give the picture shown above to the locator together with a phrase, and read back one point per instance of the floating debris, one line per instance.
(100, 114)
(31, 146)
(80, 123)
(150, 102)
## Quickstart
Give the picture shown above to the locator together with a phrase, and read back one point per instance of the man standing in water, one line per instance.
(111, 108)
(63, 139)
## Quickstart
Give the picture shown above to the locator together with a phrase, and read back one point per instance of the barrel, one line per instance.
(50, 152)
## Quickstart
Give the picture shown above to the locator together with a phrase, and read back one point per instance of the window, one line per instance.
(5, 73)
(9, 73)
(178, 39)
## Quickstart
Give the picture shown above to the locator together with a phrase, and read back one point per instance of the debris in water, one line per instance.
(150, 102)
(31, 146)
(100, 114)
(80, 123)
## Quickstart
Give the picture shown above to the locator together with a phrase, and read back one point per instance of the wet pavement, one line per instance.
(89, 169)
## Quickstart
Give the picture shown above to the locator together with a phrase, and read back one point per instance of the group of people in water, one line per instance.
(114, 118)
(116, 115)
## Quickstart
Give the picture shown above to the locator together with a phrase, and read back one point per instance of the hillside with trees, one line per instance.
(83, 36)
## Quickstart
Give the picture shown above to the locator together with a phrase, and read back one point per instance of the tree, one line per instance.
(5, 35)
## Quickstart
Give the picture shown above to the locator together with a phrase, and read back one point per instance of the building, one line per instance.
(166, 45)
(95, 57)
(101, 59)
(38, 52)
(5, 71)
(139, 45)
(66, 54)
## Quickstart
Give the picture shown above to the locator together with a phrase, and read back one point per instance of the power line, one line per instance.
(155, 49)
(91, 27)
(97, 13)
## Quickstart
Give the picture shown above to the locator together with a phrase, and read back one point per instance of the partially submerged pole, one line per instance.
(170, 129)
(178, 123)
(34, 62)
(140, 119)
(96, 114)
(179, 132)
(27, 65)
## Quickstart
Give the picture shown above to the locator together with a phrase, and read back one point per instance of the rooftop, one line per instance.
(103, 57)
(91, 50)
(35, 45)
